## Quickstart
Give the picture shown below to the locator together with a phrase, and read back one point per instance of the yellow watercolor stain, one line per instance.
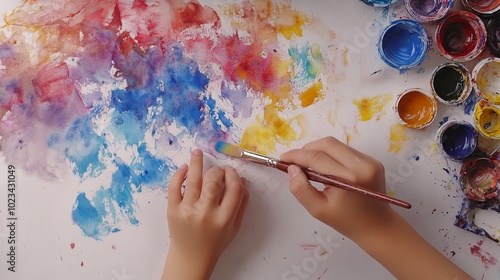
(372, 107)
(263, 135)
(312, 94)
(398, 138)
(391, 193)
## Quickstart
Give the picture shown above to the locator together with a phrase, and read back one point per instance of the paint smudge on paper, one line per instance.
(373, 107)
(486, 258)
(107, 88)
(397, 139)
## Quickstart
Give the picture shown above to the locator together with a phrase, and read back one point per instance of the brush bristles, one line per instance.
(228, 149)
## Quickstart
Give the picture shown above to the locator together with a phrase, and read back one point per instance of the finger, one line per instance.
(194, 177)
(318, 161)
(175, 185)
(304, 192)
(233, 194)
(212, 187)
(241, 211)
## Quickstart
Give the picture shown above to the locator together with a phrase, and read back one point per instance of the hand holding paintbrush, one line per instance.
(312, 175)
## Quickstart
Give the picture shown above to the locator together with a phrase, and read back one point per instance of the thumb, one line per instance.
(304, 192)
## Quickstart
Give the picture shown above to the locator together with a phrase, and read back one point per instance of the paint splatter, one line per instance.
(107, 88)
(72, 245)
(486, 258)
(398, 138)
(373, 107)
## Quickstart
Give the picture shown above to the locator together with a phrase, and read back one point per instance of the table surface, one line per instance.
(277, 236)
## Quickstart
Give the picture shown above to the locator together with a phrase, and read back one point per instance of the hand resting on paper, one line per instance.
(204, 220)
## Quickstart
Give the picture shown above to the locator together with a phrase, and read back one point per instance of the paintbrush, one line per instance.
(237, 152)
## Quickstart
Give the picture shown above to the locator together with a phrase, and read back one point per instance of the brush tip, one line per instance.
(228, 149)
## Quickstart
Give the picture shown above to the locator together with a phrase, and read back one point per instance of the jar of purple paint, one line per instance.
(428, 10)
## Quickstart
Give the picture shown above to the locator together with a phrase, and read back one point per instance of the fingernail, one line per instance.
(182, 167)
(293, 170)
(197, 152)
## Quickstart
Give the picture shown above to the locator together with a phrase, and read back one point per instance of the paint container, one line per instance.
(487, 119)
(403, 44)
(494, 36)
(483, 8)
(461, 36)
(379, 3)
(428, 10)
(451, 83)
(457, 140)
(415, 108)
(479, 178)
(486, 79)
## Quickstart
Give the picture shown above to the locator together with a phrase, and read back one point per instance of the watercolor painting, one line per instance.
(115, 94)
(108, 78)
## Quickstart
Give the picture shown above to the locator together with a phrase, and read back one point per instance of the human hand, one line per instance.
(353, 215)
(204, 220)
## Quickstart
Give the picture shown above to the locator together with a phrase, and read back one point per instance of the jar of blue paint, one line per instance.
(379, 3)
(457, 140)
(403, 44)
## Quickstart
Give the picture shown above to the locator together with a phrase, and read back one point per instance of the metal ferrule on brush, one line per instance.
(261, 159)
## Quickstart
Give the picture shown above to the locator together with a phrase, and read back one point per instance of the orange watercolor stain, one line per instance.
(372, 107)
(416, 109)
(398, 138)
(312, 94)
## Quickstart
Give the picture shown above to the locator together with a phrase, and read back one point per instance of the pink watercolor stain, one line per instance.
(487, 259)
(72, 245)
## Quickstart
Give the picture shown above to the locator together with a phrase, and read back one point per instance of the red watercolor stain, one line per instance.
(52, 83)
(72, 245)
(81, 264)
(487, 259)
(113, 247)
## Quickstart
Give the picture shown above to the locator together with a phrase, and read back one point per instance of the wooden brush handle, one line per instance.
(339, 183)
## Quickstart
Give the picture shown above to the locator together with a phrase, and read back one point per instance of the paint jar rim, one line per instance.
(379, 4)
(475, 76)
(440, 13)
(420, 91)
(484, 105)
(470, 166)
(493, 29)
(481, 12)
(443, 128)
(477, 25)
(467, 79)
(410, 25)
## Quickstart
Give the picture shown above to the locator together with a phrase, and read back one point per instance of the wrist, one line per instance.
(186, 264)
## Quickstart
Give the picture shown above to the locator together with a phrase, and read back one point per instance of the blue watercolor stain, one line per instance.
(217, 115)
(163, 91)
(445, 119)
(149, 170)
(86, 216)
(403, 44)
(83, 148)
(304, 59)
(121, 189)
